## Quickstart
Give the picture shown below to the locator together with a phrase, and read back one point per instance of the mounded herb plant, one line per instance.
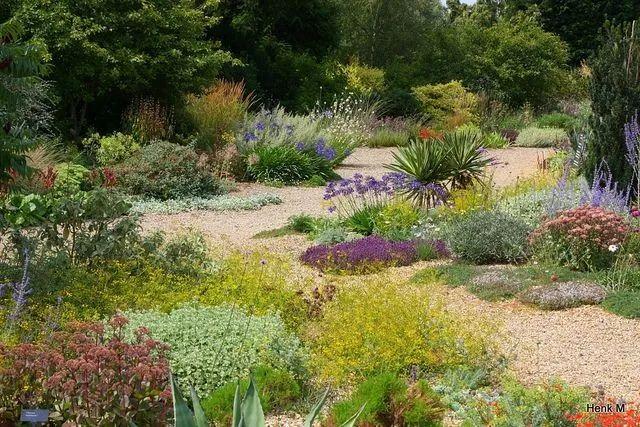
(483, 237)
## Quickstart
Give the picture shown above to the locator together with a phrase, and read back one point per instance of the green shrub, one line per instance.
(363, 221)
(540, 405)
(278, 389)
(623, 303)
(70, 177)
(89, 226)
(494, 140)
(212, 346)
(184, 254)
(111, 149)
(379, 317)
(332, 233)
(364, 80)
(163, 170)
(258, 282)
(396, 220)
(558, 121)
(483, 237)
(388, 400)
(447, 105)
(529, 207)
(541, 137)
(302, 223)
(279, 163)
(615, 95)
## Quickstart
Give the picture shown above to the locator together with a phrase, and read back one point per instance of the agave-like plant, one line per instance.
(247, 411)
(457, 160)
(466, 157)
(425, 161)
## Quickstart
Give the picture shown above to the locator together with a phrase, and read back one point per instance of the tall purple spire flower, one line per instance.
(632, 143)
(20, 290)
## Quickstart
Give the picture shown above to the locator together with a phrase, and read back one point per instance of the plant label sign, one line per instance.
(34, 415)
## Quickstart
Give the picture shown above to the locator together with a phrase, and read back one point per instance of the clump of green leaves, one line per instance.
(483, 237)
(163, 170)
(211, 346)
(388, 400)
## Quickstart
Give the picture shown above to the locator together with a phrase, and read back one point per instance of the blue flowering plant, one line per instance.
(361, 198)
(273, 142)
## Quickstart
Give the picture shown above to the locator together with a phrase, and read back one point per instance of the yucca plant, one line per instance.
(247, 411)
(426, 162)
(467, 159)
(20, 65)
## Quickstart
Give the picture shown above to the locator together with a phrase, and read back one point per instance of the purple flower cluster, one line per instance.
(324, 150)
(604, 192)
(632, 141)
(360, 256)
(319, 148)
(373, 190)
(441, 247)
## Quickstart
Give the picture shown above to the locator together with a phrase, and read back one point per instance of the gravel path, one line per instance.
(239, 227)
(585, 346)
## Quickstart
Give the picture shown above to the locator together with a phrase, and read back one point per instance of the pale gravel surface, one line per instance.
(239, 227)
(585, 346)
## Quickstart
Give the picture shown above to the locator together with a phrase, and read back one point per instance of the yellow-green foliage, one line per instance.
(542, 180)
(259, 281)
(461, 202)
(380, 325)
(256, 282)
(395, 220)
(447, 105)
(364, 80)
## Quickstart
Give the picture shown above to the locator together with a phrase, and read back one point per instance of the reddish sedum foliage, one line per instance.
(585, 237)
(589, 224)
(89, 375)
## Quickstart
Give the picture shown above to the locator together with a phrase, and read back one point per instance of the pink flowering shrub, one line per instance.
(88, 375)
(585, 238)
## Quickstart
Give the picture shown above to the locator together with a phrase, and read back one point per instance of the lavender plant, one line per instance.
(20, 290)
(602, 192)
(632, 143)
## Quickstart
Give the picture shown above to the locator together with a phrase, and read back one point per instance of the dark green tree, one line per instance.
(21, 64)
(615, 98)
(382, 32)
(106, 52)
(283, 45)
(578, 22)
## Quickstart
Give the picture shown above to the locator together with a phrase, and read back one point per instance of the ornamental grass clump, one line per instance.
(88, 374)
(586, 238)
(365, 255)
